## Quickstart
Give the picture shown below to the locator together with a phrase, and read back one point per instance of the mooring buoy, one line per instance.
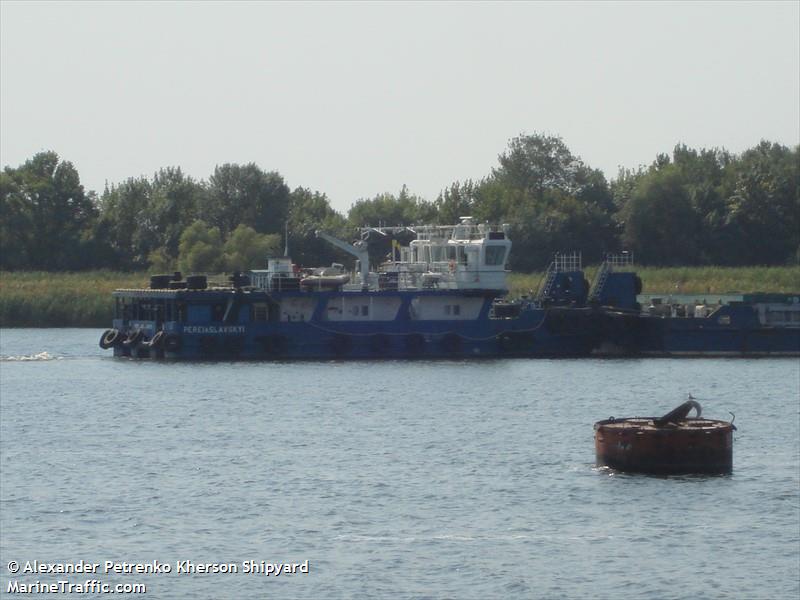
(672, 444)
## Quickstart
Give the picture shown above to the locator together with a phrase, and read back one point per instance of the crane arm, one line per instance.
(359, 250)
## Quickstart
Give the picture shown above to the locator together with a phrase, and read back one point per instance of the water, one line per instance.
(393, 479)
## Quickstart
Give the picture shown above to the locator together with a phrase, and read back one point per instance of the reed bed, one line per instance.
(42, 299)
(690, 280)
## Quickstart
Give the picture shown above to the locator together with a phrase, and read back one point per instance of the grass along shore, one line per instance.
(41, 299)
(690, 280)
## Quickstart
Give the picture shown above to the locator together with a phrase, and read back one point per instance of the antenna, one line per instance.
(286, 239)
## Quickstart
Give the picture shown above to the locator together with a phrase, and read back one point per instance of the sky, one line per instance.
(358, 99)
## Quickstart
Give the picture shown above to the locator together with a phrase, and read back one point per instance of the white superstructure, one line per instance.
(467, 256)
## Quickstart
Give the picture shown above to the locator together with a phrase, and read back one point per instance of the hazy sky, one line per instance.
(355, 99)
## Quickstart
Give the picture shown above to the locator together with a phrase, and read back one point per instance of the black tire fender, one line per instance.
(134, 337)
(158, 339)
(110, 338)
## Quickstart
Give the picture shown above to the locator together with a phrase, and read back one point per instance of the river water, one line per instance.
(392, 479)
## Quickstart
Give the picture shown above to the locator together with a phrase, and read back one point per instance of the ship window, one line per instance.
(260, 312)
(451, 252)
(364, 311)
(452, 309)
(217, 312)
(495, 255)
(181, 310)
(777, 316)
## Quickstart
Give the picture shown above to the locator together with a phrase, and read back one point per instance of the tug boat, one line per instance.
(442, 295)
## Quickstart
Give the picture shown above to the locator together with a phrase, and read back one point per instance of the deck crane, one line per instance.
(358, 249)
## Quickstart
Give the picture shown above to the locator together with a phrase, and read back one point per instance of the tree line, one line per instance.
(693, 207)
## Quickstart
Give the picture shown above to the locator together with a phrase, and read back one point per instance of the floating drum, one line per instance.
(672, 444)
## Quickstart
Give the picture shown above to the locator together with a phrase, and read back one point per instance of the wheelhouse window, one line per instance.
(495, 255)
(452, 309)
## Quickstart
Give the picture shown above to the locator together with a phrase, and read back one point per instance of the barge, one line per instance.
(757, 325)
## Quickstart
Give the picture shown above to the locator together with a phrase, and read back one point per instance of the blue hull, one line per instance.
(259, 324)
(686, 337)
(734, 330)
(533, 332)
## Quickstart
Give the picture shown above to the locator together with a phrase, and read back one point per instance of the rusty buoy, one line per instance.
(672, 444)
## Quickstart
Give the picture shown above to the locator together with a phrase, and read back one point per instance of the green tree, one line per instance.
(455, 202)
(245, 249)
(172, 207)
(15, 224)
(536, 163)
(661, 226)
(45, 213)
(553, 201)
(390, 210)
(702, 174)
(763, 212)
(308, 212)
(126, 224)
(200, 249)
(244, 194)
